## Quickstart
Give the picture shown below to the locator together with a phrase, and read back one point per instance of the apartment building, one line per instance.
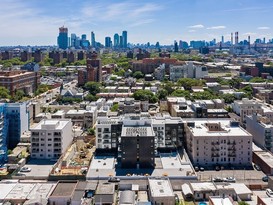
(83, 118)
(217, 142)
(3, 134)
(262, 129)
(246, 107)
(161, 191)
(168, 131)
(188, 70)
(20, 80)
(51, 138)
(129, 105)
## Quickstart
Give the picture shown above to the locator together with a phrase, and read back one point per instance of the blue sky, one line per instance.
(36, 22)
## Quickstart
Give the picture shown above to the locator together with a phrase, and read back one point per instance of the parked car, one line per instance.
(269, 192)
(265, 178)
(25, 169)
(217, 179)
(217, 168)
(196, 169)
(257, 167)
(113, 179)
(229, 179)
(202, 169)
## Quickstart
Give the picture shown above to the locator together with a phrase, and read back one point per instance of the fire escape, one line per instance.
(231, 148)
(215, 149)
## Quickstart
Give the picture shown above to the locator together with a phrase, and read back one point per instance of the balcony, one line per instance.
(215, 149)
(215, 155)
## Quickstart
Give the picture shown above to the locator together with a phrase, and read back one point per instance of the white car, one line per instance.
(269, 192)
(229, 179)
(25, 169)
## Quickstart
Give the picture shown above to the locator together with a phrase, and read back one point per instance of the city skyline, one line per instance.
(36, 22)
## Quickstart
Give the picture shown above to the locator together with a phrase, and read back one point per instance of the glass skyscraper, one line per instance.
(124, 39)
(63, 38)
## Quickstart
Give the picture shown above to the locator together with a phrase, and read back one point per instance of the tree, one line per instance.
(257, 80)
(243, 203)
(114, 108)
(90, 97)
(138, 75)
(145, 95)
(181, 93)
(19, 94)
(91, 131)
(93, 87)
(228, 98)
(169, 86)
(162, 94)
(187, 83)
(4, 93)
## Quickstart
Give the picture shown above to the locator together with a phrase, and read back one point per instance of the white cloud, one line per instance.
(142, 22)
(197, 26)
(263, 28)
(216, 27)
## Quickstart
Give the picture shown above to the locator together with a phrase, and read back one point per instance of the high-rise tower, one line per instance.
(124, 39)
(116, 40)
(93, 40)
(63, 38)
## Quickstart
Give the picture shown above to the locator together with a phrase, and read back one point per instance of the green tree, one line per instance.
(42, 89)
(19, 94)
(91, 131)
(187, 83)
(162, 94)
(93, 87)
(181, 93)
(145, 95)
(243, 203)
(138, 75)
(228, 98)
(4, 93)
(114, 108)
(169, 86)
(90, 97)
(257, 80)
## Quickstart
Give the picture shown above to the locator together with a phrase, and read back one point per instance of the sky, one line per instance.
(36, 22)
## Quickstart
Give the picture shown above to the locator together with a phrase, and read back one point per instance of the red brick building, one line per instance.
(20, 80)
(93, 71)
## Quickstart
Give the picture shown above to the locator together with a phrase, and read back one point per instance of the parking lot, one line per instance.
(239, 175)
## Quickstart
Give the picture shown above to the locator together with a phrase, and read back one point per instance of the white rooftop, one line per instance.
(201, 129)
(20, 191)
(6, 188)
(220, 200)
(203, 186)
(102, 162)
(57, 124)
(75, 112)
(41, 191)
(160, 187)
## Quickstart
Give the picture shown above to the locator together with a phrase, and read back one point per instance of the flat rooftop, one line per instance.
(6, 188)
(41, 191)
(57, 124)
(21, 191)
(221, 201)
(64, 189)
(201, 128)
(203, 186)
(106, 188)
(267, 157)
(131, 131)
(160, 187)
(102, 162)
(76, 112)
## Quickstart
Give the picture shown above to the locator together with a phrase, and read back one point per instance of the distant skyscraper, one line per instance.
(175, 46)
(93, 40)
(121, 42)
(73, 40)
(236, 38)
(63, 38)
(84, 37)
(124, 39)
(107, 42)
(116, 40)
(223, 41)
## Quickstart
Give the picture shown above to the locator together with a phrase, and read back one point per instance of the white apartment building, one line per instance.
(221, 141)
(189, 70)
(168, 130)
(246, 107)
(50, 138)
(262, 129)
